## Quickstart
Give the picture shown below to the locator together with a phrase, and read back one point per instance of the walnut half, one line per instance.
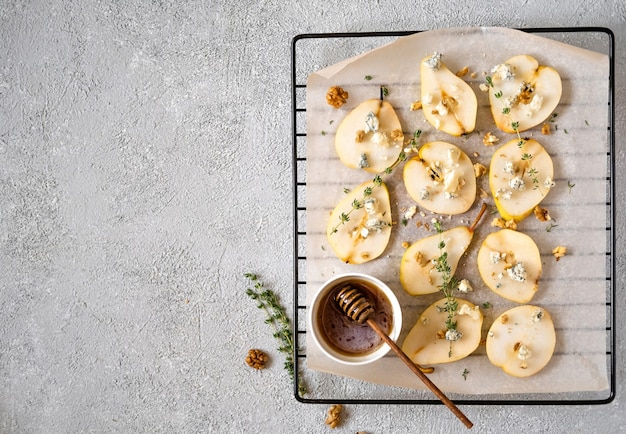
(336, 96)
(256, 359)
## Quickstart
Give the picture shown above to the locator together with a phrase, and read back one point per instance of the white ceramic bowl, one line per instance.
(321, 300)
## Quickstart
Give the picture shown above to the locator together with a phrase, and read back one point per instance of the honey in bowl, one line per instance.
(346, 336)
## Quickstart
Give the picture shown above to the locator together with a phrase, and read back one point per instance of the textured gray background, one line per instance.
(145, 164)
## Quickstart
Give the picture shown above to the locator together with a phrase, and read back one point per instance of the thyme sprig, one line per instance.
(412, 145)
(448, 285)
(276, 316)
(506, 111)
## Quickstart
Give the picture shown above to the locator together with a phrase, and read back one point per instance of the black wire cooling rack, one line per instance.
(311, 52)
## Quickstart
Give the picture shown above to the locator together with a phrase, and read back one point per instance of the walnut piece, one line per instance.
(501, 223)
(542, 214)
(397, 134)
(256, 359)
(336, 96)
(360, 135)
(333, 419)
(490, 139)
(545, 129)
(559, 252)
(417, 105)
(479, 170)
(462, 72)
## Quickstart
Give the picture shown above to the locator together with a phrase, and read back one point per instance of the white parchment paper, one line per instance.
(574, 290)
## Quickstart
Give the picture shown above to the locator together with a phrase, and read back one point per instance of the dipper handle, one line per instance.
(359, 309)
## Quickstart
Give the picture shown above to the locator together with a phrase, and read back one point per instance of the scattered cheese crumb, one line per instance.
(410, 212)
(559, 252)
(465, 287)
(474, 313)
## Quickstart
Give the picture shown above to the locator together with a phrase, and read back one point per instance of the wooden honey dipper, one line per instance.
(359, 309)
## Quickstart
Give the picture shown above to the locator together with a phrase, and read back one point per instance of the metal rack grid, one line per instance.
(303, 63)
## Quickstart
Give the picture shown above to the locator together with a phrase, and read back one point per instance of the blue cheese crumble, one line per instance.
(503, 71)
(363, 162)
(517, 183)
(453, 335)
(371, 205)
(434, 61)
(474, 312)
(465, 286)
(517, 272)
(371, 123)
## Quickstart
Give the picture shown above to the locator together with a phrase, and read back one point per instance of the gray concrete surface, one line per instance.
(145, 164)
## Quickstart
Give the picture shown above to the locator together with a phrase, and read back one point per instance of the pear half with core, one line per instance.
(521, 341)
(441, 178)
(360, 225)
(520, 177)
(524, 92)
(427, 343)
(370, 136)
(510, 265)
(418, 274)
(449, 103)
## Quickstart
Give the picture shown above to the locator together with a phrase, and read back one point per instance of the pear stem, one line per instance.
(483, 208)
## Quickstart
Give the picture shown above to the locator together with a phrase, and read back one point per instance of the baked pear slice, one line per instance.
(529, 92)
(427, 343)
(521, 341)
(441, 178)
(448, 102)
(418, 274)
(359, 227)
(370, 136)
(510, 265)
(520, 177)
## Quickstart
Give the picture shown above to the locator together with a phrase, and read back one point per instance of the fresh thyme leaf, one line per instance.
(464, 374)
(486, 305)
(448, 285)
(368, 77)
(323, 133)
(570, 185)
(384, 90)
(276, 316)
(550, 227)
